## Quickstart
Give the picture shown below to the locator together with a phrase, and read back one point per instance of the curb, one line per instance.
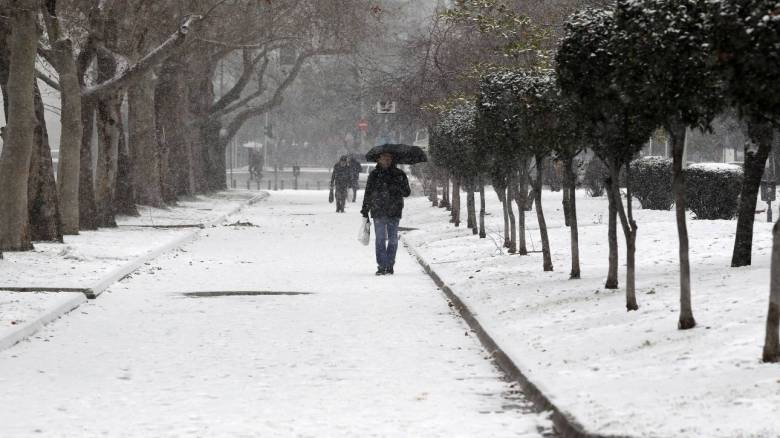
(564, 423)
(30, 328)
(92, 292)
(122, 272)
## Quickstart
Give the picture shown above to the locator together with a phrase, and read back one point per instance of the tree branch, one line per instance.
(137, 70)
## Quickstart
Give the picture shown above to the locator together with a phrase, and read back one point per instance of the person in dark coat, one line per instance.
(341, 180)
(355, 168)
(386, 189)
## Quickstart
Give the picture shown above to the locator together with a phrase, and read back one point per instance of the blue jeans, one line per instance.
(386, 229)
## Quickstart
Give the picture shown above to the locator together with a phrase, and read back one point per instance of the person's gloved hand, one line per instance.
(365, 214)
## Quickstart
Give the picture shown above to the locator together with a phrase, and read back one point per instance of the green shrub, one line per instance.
(595, 177)
(651, 182)
(712, 190)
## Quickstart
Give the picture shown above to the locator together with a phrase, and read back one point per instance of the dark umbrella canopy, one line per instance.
(402, 153)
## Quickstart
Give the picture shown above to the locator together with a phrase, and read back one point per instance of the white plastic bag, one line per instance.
(364, 235)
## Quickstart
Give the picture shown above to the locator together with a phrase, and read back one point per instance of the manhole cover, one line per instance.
(247, 293)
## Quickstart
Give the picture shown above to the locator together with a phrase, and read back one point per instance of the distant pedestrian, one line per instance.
(355, 167)
(340, 182)
(386, 189)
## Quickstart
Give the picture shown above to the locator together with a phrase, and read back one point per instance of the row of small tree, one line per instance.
(619, 74)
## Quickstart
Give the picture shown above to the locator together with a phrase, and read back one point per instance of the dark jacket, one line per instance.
(385, 193)
(341, 177)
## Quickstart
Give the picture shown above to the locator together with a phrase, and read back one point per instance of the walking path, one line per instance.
(358, 355)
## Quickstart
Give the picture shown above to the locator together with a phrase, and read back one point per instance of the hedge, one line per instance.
(712, 190)
(651, 182)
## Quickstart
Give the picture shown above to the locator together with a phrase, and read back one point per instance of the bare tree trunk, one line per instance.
(612, 272)
(143, 143)
(70, 137)
(200, 94)
(570, 192)
(755, 163)
(501, 193)
(510, 196)
(43, 205)
(108, 161)
(629, 230)
(19, 133)
(471, 209)
(87, 206)
(548, 266)
(171, 107)
(456, 201)
(445, 195)
(124, 201)
(772, 341)
(433, 195)
(521, 198)
(677, 138)
(482, 233)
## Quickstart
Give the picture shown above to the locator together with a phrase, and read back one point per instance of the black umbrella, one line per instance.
(402, 153)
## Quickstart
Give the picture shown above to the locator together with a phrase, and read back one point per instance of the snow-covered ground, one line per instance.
(617, 372)
(92, 255)
(356, 356)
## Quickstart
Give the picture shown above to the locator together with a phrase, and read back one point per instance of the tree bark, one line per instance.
(456, 201)
(482, 232)
(772, 340)
(70, 136)
(124, 201)
(87, 206)
(755, 163)
(510, 196)
(612, 272)
(445, 195)
(19, 134)
(629, 230)
(107, 162)
(171, 102)
(548, 266)
(677, 139)
(43, 205)
(143, 144)
(520, 195)
(570, 192)
(433, 194)
(471, 210)
(500, 190)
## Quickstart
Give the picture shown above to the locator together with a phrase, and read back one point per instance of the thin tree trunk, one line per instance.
(471, 209)
(570, 191)
(42, 200)
(433, 195)
(755, 163)
(677, 138)
(612, 272)
(445, 195)
(456, 201)
(501, 193)
(482, 232)
(19, 134)
(772, 341)
(108, 161)
(143, 143)
(521, 198)
(629, 231)
(548, 266)
(510, 196)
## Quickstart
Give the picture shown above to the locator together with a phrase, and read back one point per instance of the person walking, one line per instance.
(386, 189)
(341, 180)
(355, 168)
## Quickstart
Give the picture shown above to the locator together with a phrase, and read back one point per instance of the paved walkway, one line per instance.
(358, 356)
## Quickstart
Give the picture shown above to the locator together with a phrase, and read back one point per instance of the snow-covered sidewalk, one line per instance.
(37, 287)
(289, 333)
(621, 373)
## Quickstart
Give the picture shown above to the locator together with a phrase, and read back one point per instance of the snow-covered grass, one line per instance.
(617, 372)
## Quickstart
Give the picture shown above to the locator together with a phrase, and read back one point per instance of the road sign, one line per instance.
(385, 107)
